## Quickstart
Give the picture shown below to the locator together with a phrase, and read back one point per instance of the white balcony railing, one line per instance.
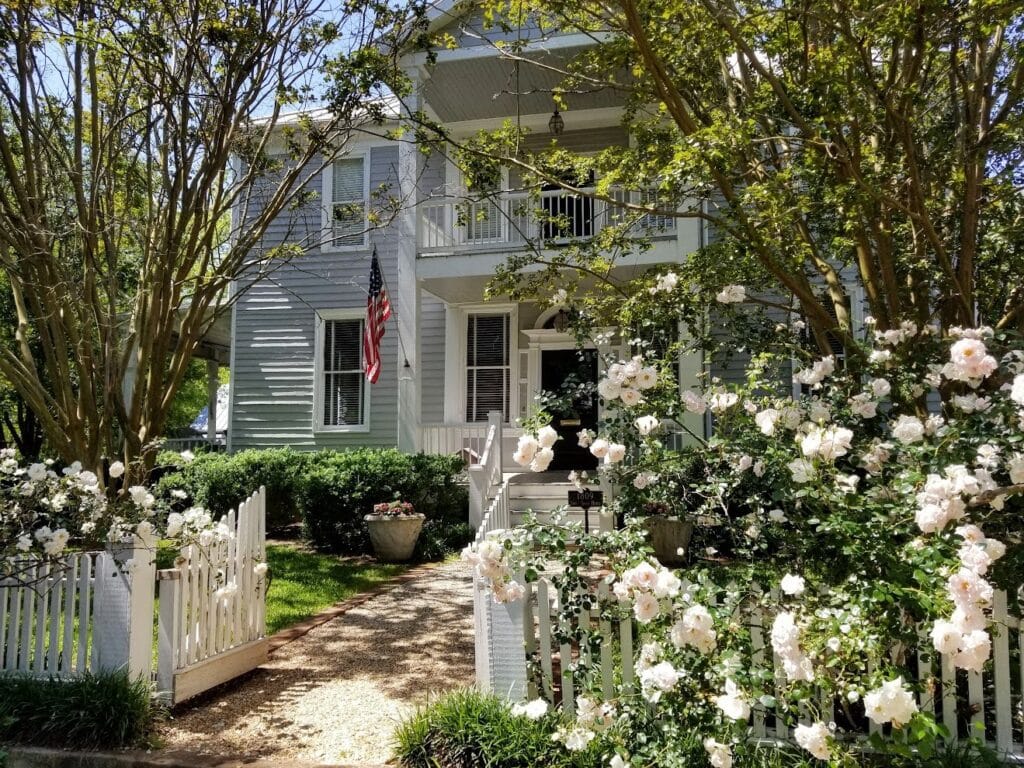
(511, 220)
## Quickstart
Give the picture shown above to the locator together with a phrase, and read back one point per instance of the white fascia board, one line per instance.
(545, 45)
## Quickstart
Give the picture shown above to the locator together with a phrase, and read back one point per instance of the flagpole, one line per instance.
(394, 314)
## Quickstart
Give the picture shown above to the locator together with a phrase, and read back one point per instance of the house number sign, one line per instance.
(586, 499)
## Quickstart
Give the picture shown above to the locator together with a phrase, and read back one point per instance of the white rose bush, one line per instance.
(47, 512)
(844, 524)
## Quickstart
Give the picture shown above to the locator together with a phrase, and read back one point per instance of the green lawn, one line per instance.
(303, 583)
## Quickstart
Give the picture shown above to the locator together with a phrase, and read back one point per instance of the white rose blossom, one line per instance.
(645, 425)
(532, 710)
(732, 294)
(719, 754)
(813, 738)
(890, 703)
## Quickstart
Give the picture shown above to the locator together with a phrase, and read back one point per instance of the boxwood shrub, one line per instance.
(218, 481)
(338, 488)
(330, 491)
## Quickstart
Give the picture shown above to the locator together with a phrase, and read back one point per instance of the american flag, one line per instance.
(378, 310)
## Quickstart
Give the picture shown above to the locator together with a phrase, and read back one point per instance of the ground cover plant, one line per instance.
(303, 582)
(94, 711)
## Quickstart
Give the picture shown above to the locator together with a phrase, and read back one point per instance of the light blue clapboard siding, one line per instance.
(432, 351)
(275, 331)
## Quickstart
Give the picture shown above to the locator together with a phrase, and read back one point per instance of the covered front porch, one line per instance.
(504, 363)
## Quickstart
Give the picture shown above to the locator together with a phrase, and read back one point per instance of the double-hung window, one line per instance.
(341, 380)
(488, 367)
(348, 209)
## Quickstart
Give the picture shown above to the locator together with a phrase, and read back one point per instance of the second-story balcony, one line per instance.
(511, 221)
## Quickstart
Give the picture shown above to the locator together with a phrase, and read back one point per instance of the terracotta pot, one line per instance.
(669, 537)
(394, 538)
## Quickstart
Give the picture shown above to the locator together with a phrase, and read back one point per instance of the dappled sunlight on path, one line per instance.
(336, 694)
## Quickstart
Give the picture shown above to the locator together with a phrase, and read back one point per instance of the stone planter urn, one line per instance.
(394, 536)
(670, 537)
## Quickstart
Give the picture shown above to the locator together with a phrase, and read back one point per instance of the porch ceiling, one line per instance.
(486, 87)
(463, 289)
(457, 290)
(215, 344)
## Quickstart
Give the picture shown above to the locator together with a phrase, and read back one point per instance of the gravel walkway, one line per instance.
(335, 694)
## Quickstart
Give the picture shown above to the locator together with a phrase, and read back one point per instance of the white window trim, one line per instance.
(327, 210)
(457, 332)
(318, 374)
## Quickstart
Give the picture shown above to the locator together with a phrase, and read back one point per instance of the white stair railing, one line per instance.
(486, 475)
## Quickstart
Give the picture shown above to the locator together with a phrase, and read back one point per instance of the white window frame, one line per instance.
(456, 342)
(328, 207)
(322, 317)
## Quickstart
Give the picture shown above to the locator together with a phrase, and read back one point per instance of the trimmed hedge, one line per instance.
(339, 488)
(94, 711)
(218, 481)
(330, 491)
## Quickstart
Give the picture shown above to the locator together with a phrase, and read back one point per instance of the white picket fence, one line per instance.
(79, 614)
(213, 608)
(94, 611)
(523, 657)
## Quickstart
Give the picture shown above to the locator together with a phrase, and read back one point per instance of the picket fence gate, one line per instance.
(213, 608)
(523, 657)
(94, 611)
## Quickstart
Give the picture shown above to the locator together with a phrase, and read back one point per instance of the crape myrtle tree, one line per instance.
(832, 147)
(145, 147)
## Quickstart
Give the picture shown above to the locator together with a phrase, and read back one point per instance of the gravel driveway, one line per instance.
(335, 694)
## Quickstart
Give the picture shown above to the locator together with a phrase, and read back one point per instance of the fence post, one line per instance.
(606, 521)
(500, 656)
(169, 629)
(125, 593)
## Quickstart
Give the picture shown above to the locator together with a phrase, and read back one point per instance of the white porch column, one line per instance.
(406, 300)
(212, 385)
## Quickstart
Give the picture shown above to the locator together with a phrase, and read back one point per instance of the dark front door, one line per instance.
(571, 376)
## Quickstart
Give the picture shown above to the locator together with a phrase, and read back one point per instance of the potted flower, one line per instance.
(394, 527)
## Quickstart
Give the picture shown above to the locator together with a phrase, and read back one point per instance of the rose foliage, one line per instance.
(45, 513)
(842, 520)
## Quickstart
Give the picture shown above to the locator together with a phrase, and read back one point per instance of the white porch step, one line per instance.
(540, 493)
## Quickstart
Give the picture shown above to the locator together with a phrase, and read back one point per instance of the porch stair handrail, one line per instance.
(487, 474)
